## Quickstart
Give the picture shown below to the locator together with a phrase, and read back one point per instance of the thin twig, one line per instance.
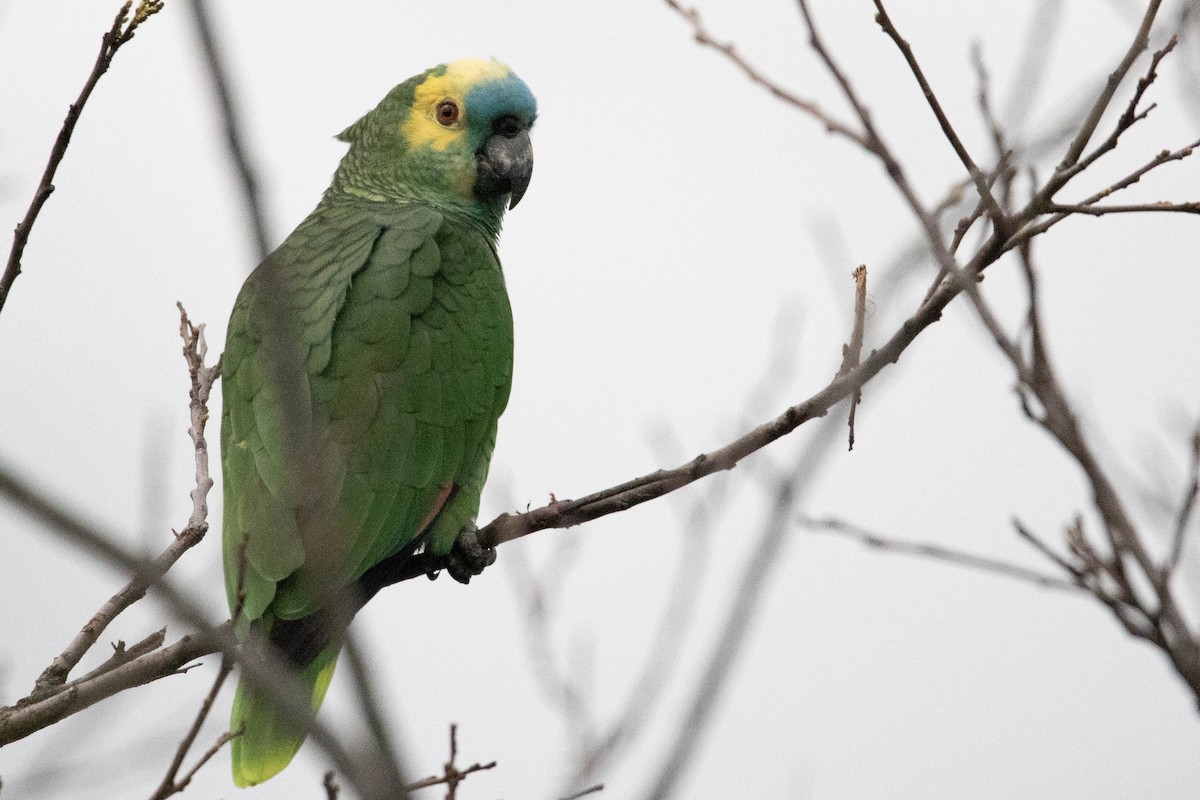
(1033, 229)
(202, 378)
(1164, 624)
(599, 787)
(1139, 208)
(54, 676)
(704, 38)
(122, 31)
(225, 738)
(123, 655)
(999, 219)
(938, 553)
(1088, 575)
(852, 352)
(875, 145)
(1003, 171)
(1080, 142)
(1029, 536)
(438, 780)
(171, 786)
(451, 775)
(1129, 117)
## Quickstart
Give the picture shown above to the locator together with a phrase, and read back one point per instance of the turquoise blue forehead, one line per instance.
(499, 97)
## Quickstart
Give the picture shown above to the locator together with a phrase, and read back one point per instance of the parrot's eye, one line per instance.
(447, 112)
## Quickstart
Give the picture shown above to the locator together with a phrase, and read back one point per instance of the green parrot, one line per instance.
(367, 362)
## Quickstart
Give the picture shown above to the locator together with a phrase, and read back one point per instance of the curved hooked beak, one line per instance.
(505, 165)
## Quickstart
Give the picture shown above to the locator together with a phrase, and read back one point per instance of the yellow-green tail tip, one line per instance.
(268, 741)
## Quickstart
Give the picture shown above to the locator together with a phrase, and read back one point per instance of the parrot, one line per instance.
(367, 362)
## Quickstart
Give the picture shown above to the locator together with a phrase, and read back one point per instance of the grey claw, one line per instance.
(468, 557)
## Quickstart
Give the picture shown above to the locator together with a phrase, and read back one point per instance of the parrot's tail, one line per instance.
(269, 739)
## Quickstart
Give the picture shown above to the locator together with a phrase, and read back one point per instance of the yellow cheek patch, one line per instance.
(422, 127)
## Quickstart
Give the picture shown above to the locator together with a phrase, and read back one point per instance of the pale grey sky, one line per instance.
(676, 215)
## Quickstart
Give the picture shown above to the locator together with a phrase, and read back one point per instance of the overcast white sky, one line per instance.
(676, 216)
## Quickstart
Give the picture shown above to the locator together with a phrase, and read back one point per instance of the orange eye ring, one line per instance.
(447, 113)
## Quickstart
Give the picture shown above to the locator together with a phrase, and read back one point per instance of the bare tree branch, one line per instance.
(1140, 40)
(1107, 578)
(30, 716)
(1029, 536)
(937, 553)
(997, 214)
(703, 37)
(1032, 229)
(1139, 208)
(122, 30)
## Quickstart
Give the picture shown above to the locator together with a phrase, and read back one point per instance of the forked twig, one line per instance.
(451, 775)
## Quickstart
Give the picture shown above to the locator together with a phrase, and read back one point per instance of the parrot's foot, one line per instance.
(468, 557)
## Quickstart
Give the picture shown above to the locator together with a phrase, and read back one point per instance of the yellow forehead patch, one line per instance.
(422, 126)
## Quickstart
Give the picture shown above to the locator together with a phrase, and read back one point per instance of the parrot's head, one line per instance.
(455, 136)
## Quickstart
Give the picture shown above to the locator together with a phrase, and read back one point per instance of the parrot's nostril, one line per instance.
(508, 126)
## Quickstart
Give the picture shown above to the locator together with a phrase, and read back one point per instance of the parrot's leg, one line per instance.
(468, 557)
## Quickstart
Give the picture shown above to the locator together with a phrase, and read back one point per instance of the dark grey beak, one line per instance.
(505, 165)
